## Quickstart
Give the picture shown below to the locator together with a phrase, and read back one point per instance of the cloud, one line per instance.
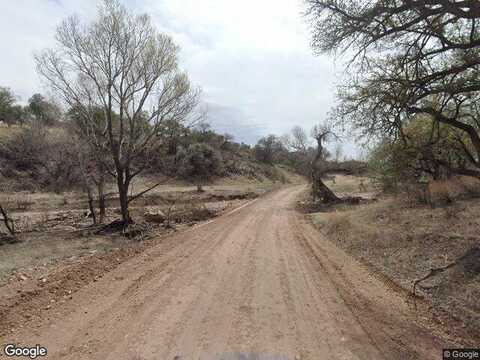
(28, 26)
(225, 119)
(252, 58)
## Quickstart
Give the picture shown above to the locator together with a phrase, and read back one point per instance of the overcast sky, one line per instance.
(251, 57)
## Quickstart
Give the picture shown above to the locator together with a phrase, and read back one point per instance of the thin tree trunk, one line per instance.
(91, 207)
(101, 200)
(123, 197)
(9, 223)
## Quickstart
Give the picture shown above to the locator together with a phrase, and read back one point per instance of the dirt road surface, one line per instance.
(258, 283)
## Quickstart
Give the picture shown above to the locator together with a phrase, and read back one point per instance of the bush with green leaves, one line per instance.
(44, 111)
(10, 111)
(200, 163)
(427, 149)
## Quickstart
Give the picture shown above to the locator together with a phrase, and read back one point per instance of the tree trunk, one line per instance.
(9, 223)
(199, 188)
(101, 200)
(91, 207)
(123, 196)
(320, 191)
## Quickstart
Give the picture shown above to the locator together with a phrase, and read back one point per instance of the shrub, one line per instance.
(427, 151)
(200, 163)
(40, 159)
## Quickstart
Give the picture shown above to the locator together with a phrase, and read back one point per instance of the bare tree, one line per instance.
(338, 152)
(93, 177)
(320, 191)
(91, 160)
(299, 140)
(121, 64)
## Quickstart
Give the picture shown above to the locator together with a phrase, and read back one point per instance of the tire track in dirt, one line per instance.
(166, 292)
(258, 280)
(394, 332)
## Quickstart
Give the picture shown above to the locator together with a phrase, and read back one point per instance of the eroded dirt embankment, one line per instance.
(406, 243)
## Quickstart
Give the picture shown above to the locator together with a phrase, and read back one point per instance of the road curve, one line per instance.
(258, 283)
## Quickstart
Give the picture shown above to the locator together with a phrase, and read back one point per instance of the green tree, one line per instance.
(8, 111)
(428, 149)
(43, 110)
(200, 162)
(269, 149)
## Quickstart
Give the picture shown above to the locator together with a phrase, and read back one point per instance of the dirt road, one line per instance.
(258, 280)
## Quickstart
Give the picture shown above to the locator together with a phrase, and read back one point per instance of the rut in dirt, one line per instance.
(258, 283)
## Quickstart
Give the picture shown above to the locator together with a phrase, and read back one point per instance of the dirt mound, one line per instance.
(24, 300)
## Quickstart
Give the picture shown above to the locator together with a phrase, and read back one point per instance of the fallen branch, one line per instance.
(136, 196)
(468, 256)
(432, 272)
(9, 223)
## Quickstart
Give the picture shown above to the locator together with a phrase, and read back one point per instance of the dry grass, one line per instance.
(446, 191)
(9, 131)
(351, 185)
(405, 241)
(50, 225)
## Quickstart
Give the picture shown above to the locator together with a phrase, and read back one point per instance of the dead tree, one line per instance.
(320, 191)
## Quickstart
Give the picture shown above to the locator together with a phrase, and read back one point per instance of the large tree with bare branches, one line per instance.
(122, 65)
(408, 57)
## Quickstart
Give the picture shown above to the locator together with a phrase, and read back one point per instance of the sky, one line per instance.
(251, 58)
